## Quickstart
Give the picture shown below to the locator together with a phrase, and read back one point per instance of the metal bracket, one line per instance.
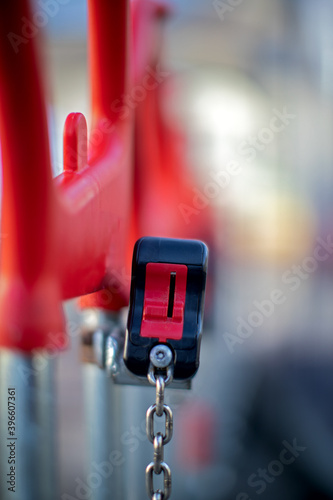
(102, 343)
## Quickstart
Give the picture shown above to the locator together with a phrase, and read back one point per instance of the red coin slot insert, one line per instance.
(164, 301)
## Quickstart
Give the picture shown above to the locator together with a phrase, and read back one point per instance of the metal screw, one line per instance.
(161, 356)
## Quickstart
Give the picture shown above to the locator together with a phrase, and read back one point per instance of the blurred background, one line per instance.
(254, 96)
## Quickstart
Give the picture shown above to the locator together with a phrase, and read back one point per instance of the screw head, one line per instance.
(161, 356)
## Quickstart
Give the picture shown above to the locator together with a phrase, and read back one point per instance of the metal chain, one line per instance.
(160, 374)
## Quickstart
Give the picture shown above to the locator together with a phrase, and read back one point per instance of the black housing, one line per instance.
(192, 253)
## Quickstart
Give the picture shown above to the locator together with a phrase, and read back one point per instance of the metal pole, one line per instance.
(103, 410)
(103, 415)
(31, 447)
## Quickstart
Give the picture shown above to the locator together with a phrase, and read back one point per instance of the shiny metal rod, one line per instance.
(103, 416)
(31, 449)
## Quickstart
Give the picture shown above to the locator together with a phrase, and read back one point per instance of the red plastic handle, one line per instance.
(66, 238)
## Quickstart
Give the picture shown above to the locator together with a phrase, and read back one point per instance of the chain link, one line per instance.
(159, 439)
(160, 386)
(168, 424)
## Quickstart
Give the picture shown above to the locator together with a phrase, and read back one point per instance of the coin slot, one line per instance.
(172, 289)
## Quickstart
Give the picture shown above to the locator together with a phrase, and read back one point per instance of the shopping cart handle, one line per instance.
(64, 237)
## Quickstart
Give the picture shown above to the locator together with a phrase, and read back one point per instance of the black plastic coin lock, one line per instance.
(166, 303)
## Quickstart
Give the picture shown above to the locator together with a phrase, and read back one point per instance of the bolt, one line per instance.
(161, 356)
